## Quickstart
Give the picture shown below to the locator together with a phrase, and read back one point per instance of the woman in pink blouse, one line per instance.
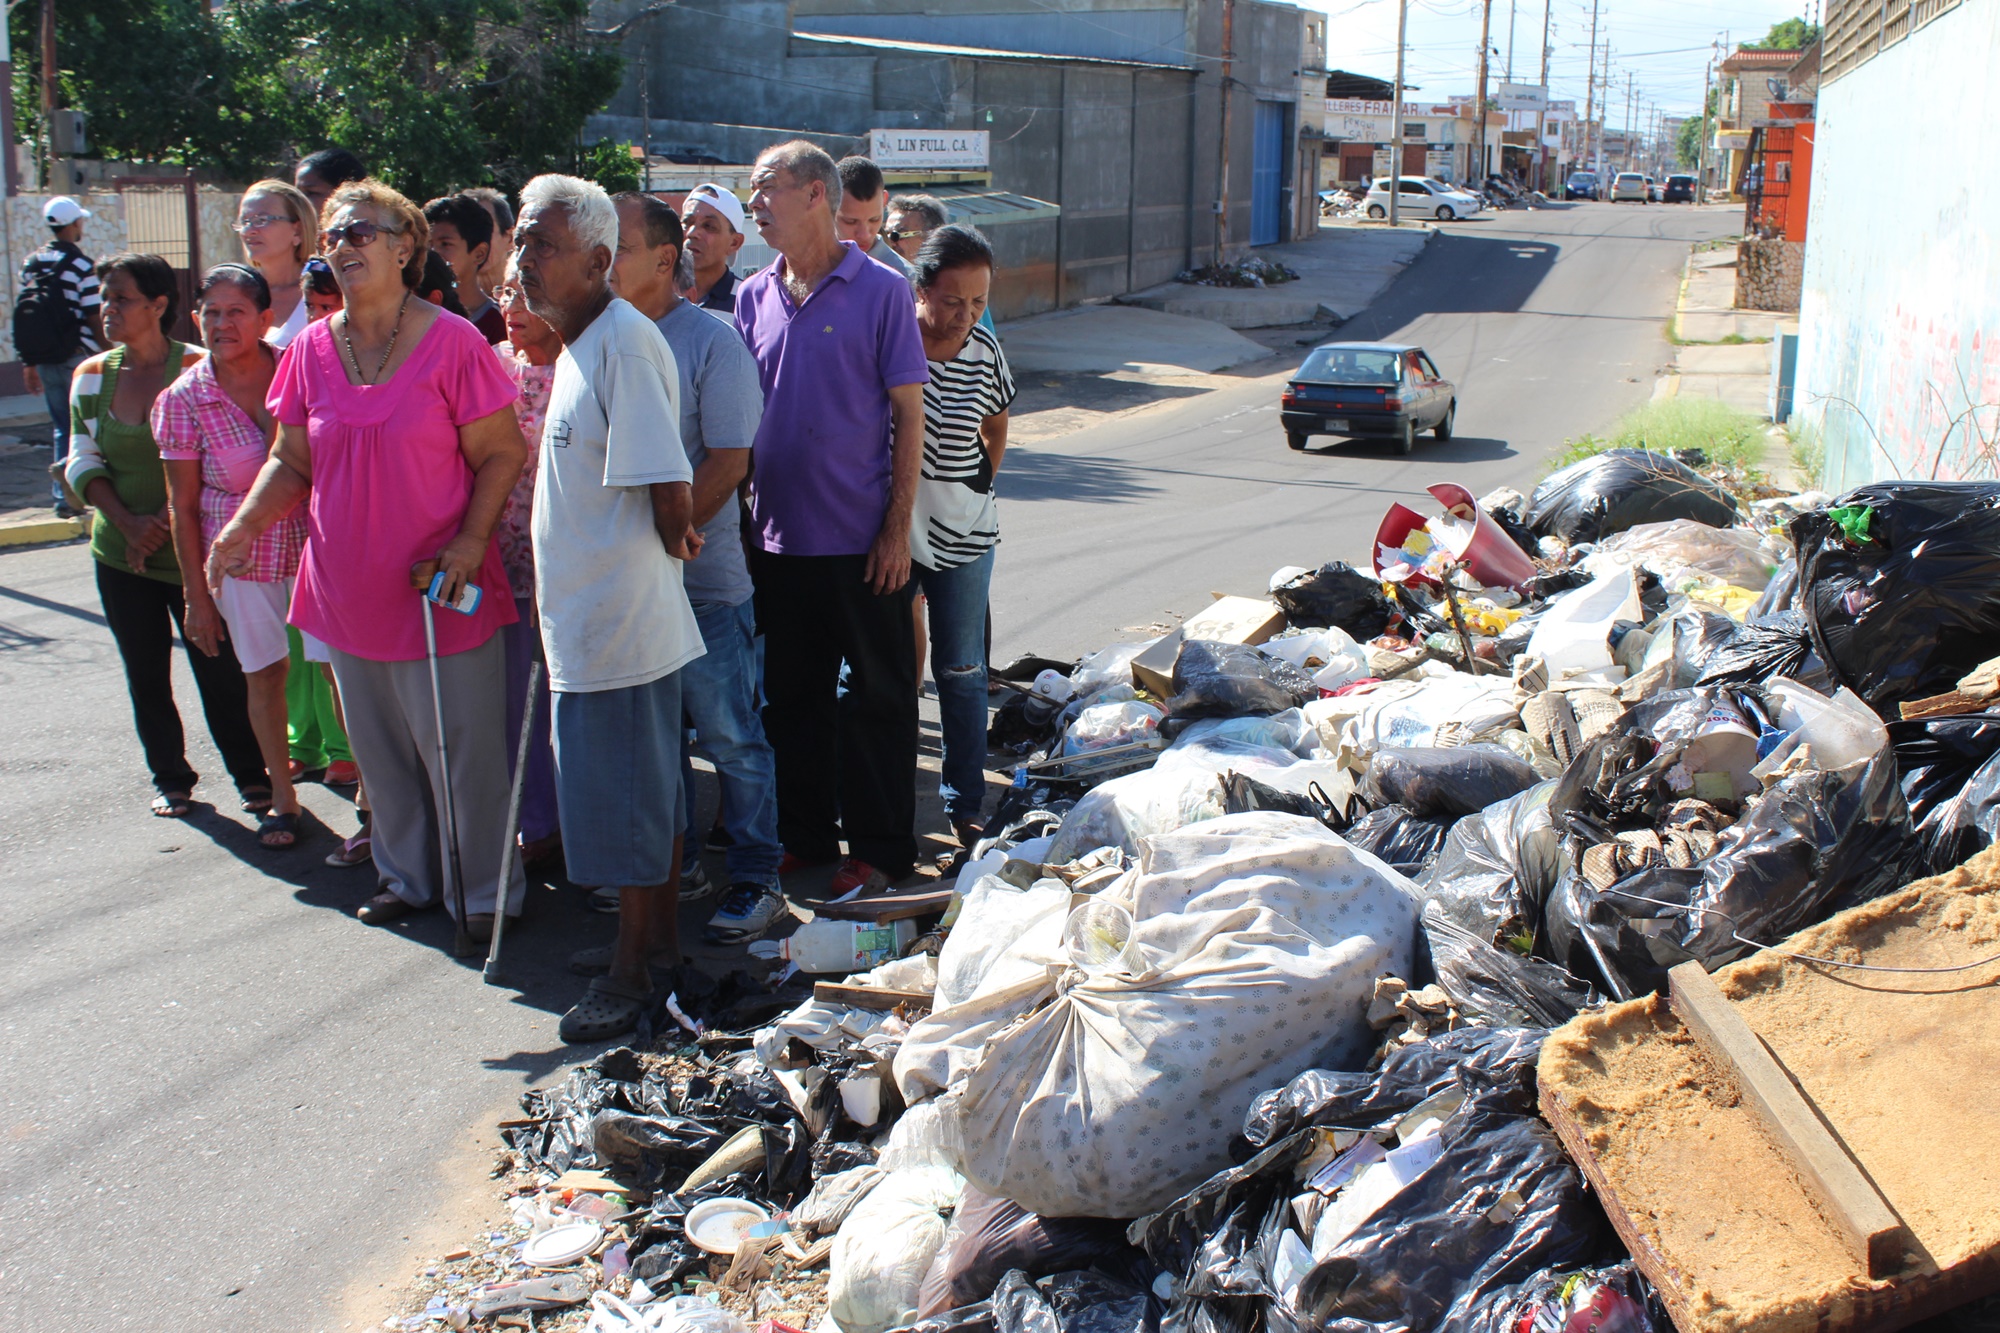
(529, 357)
(215, 434)
(397, 426)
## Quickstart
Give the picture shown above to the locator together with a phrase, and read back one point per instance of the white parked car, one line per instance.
(1630, 185)
(1422, 197)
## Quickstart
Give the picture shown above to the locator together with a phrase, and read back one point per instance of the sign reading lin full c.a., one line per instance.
(956, 149)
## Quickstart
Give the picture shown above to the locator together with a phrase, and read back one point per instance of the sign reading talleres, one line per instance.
(959, 150)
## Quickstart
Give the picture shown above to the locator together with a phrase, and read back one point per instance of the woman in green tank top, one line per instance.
(114, 464)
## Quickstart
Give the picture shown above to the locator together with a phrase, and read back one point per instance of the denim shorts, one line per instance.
(618, 782)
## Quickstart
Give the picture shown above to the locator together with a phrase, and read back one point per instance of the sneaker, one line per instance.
(856, 876)
(696, 887)
(747, 913)
(342, 773)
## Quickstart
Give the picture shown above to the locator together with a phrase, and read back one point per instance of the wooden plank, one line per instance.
(1843, 1194)
(869, 997)
(888, 906)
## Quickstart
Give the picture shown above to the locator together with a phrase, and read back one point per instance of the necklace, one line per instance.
(347, 337)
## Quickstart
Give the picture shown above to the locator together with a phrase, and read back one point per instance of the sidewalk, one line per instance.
(1341, 269)
(1721, 352)
(27, 517)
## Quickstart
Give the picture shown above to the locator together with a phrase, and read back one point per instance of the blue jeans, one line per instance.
(957, 601)
(719, 695)
(55, 393)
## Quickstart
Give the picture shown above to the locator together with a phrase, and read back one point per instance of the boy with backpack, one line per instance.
(56, 320)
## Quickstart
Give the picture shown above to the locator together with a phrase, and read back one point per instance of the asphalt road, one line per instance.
(225, 1104)
(1551, 322)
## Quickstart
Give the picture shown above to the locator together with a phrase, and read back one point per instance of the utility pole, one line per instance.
(1511, 6)
(1396, 116)
(1590, 89)
(48, 95)
(1228, 58)
(1485, 44)
(1542, 116)
(1703, 130)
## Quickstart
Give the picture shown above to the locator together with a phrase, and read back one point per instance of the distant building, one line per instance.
(1108, 111)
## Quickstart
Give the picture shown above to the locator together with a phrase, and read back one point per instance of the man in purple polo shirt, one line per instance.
(834, 477)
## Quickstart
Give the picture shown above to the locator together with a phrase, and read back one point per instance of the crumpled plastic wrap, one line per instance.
(1234, 680)
(1620, 489)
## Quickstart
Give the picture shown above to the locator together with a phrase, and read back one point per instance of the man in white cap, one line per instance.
(56, 320)
(712, 220)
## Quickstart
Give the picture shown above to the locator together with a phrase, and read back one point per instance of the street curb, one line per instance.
(1666, 386)
(35, 531)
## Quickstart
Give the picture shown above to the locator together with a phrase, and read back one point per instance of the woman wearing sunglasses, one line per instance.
(396, 426)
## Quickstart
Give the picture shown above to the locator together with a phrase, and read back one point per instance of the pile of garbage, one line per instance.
(1256, 271)
(1233, 1018)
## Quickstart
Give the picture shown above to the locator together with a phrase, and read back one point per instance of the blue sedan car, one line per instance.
(1368, 390)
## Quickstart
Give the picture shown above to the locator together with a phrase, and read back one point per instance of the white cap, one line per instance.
(63, 210)
(717, 198)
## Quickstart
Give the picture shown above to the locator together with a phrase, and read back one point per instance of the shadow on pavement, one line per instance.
(1504, 275)
(1458, 449)
(1033, 475)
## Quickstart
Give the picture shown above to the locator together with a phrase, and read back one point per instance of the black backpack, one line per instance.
(46, 329)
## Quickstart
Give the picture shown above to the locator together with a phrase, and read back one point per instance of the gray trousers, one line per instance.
(394, 735)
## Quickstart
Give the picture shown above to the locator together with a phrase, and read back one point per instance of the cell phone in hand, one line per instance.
(468, 597)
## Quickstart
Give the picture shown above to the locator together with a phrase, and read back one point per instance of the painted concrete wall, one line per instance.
(1899, 322)
(1147, 30)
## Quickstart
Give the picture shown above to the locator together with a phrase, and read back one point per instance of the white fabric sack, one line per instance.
(1120, 812)
(1472, 705)
(885, 1247)
(1575, 632)
(995, 915)
(1115, 1082)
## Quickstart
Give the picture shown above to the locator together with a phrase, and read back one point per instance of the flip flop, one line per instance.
(172, 805)
(606, 1010)
(274, 823)
(256, 800)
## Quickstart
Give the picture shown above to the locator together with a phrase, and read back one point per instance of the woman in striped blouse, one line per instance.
(956, 525)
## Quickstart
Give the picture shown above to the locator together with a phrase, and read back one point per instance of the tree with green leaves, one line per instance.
(1788, 35)
(433, 94)
(1694, 130)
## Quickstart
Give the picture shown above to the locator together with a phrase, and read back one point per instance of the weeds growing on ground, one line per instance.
(1808, 451)
(1729, 438)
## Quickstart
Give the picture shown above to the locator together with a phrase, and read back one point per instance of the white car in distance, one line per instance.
(1422, 197)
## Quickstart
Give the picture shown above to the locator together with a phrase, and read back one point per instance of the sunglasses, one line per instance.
(905, 233)
(358, 233)
(257, 222)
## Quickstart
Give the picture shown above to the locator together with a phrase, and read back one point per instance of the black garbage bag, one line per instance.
(1937, 757)
(988, 1237)
(975, 1318)
(657, 1149)
(1459, 780)
(1336, 594)
(1807, 847)
(1903, 602)
(1620, 489)
(1408, 842)
(1500, 1203)
(1968, 823)
(559, 1134)
(1242, 793)
(1781, 592)
(1234, 680)
(1497, 987)
(1498, 867)
(1617, 1299)
(1073, 1302)
(1764, 648)
(1699, 634)
(1410, 1076)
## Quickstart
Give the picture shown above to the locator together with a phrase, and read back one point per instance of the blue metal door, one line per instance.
(1267, 173)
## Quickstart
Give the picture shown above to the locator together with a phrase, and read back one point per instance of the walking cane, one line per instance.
(492, 973)
(462, 943)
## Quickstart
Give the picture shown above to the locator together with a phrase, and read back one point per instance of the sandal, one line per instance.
(256, 800)
(354, 851)
(172, 805)
(608, 1009)
(277, 825)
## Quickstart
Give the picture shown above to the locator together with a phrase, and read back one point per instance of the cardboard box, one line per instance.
(1250, 620)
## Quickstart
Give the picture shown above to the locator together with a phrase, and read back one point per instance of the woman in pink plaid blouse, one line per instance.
(215, 432)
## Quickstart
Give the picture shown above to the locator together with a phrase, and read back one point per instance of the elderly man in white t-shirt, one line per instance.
(613, 521)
